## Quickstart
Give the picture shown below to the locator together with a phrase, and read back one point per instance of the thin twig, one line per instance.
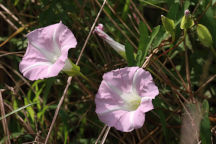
(188, 72)
(133, 24)
(120, 19)
(105, 135)
(92, 28)
(4, 121)
(11, 14)
(207, 7)
(153, 5)
(141, 16)
(207, 82)
(70, 78)
(177, 72)
(8, 21)
(149, 135)
(25, 124)
(101, 133)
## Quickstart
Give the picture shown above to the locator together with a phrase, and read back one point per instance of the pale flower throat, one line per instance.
(131, 101)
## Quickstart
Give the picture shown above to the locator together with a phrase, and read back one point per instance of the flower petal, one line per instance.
(120, 48)
(47, 51)
(130, 121)
(118, 103)
(145, 85)
(121, 79)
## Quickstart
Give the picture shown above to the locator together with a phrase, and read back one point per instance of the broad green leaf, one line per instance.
(153, 35)
(17, 110)
(159, 37)
(130, 54)
(173, 11)
(210, 22)
(145, 42)
(144, 36)
(168, 24)
(204, 35)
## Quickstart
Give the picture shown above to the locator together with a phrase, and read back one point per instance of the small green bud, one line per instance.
(169, 26)
(204, 35)
(187, 20)
(74, 71)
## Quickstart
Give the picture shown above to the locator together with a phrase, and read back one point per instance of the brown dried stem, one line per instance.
(4, 121)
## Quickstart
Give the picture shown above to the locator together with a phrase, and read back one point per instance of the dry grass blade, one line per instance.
(120, 19)
(101, 133)
(141, 16)
(11, 14)
(8, 21)
(26, 125)
(70, 78)
(207, 82)
(105, 135)
(4, 121)
(16, 33)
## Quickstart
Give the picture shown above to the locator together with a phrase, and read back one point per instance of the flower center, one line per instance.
(131, 101)
(54, 58)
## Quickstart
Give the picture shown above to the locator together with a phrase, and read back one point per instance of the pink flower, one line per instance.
(124, 96)
(47, 52)
(119, 48)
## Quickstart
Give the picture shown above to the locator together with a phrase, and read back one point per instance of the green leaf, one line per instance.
(205, 106)
(159, 37)
(17, 110)
(29, 109)
(205, 130)
(130, 54)
(143, 36)
(173, 11)
(204, 35)
(139, 57)
(125, 10)
(169, 26)
(153, 35)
